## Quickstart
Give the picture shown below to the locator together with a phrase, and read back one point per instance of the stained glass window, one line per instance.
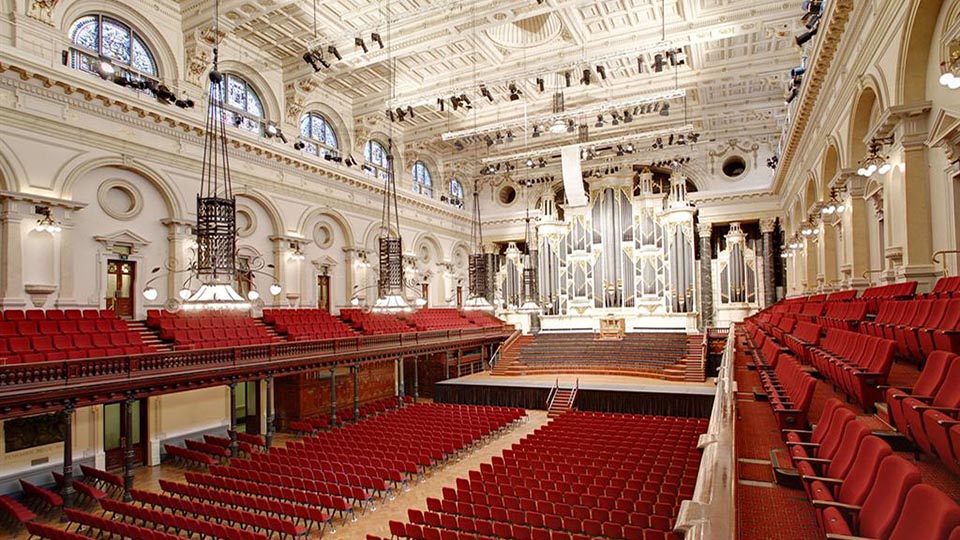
(318, 135)
(422, 179)
(375, 156)
(242, 106)
(99, 37)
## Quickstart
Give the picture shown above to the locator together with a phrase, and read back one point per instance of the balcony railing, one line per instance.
(57, 374)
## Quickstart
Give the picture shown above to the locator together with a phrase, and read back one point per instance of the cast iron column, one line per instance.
(356, 392)
(416, 378)
(333, 396)
(128, 448)
(233, 418)
(66, 491)
(271, 417)
(401, 391)
(706, 276)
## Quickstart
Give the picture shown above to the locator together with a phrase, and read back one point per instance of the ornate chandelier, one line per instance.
(390, 297)
(531, 292)
(215, 265)
(479, 267)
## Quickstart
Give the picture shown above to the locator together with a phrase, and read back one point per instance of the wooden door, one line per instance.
(115, 433)
(121, 276)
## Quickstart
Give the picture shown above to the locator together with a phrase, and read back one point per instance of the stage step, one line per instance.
(562, 402)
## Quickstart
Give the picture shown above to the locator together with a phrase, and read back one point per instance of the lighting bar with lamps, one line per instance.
(590, 110)
(876, 163)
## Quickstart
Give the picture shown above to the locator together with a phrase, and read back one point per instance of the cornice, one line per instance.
(706, 197)
(40, 199)
(114, 105)
(831, 32)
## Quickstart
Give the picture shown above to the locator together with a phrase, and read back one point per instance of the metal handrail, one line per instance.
(553, 393)
(495, 357)
(943, 263)
(710, 513)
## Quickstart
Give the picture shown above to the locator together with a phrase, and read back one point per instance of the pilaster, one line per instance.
(704, 229)
(767, 227)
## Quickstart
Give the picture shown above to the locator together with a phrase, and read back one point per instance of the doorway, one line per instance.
(323, 292)
(115, 433)
(121, 276)
(248, 407)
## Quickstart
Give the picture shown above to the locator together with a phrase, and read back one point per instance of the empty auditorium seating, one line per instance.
(876, 295)
(439, 319)
(804, 336)
(102, 480)
(306, 324)
(928, 383)
(856, 363)
(843, 315)
(38, 335)
(38, 530)
(13, 512)
(852, 488)
(202, 330)
(790, 391)
(926, 415)
(584, 475)
(374, 323)
(186, 456)
(946, 287)
(42, 498)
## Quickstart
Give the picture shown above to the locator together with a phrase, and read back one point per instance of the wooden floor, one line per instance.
(376, 522)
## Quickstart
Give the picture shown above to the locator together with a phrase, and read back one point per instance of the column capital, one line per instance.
(767, 225)
(908, 121)
(704, 229)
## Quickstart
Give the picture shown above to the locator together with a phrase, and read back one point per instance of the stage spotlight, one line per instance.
(540, 84)
(806, 36)
(440, 103)
(360, 43)
(530, 163)
(602, 71)
(616, 118)
(585, 79)
(458, 146)
(465, 101)
(641, 67)
(299, 145)
(509, 136)
(514, 92)
(105, 68)
(401, 114)
(536, 131)
(390, 115)
(658, 63)
(350, 161)
(488, 140)
(566, 77)
(599, 123)
(665, 110)
(410, 111)
(333, 50)
(791, 95)
(376, 37)
(628, 148)
(486, 93)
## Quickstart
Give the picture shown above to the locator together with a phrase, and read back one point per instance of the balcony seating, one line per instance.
(306, 324)
(583, 475)
(923, 513)
(374, 323)
(42, 498)
(14, 512)
(928, 383)
(946, 287)
(38, 335)
(838, 465)
(854, 487)
(188, 457)
(790, 392)
(824, 439)
(439, 319)
(856, 363)
(804, 337)
(842, 296)
(843, 315)
(193, 331)
(924, 416)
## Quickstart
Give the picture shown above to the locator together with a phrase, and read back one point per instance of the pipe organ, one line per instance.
(629, 251)
(737, 278)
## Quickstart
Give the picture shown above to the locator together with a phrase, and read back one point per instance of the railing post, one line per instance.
(233, 417)
(67, 492)
(333, 396)
(356, 392)
(416, 378)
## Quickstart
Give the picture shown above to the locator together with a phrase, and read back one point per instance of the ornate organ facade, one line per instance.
(629, 252)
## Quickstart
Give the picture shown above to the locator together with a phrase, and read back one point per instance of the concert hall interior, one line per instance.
(480, 269)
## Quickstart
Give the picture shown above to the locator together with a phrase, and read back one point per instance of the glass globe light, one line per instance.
(184, 293)
(275, 289)
(150, 294)
(253, 295)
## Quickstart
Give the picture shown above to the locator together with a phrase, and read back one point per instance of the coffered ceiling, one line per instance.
(738, 55)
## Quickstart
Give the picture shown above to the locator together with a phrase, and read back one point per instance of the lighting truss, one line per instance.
(612, 141)
(590, 110)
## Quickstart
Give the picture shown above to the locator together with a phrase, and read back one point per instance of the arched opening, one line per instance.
(864, 114)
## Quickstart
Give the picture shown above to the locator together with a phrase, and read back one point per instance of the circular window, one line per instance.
(246, 222)
(507, 195)
(119, 199)
(323, 235)
(734, 166)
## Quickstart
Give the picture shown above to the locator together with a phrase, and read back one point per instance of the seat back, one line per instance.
(895, 477)
(934, 371)
(949, 393)
(853, 435)
(826, 417)
(862, 475)
(928, 514)
(831, 440)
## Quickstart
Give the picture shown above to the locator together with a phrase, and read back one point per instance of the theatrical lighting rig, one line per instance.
(951, 68)
(660, 102)
(813, 12)
(271, 130)
(773, 161)
(515, 92)
(875, 163)
(671, 163)
(833, 206)
(314, 57)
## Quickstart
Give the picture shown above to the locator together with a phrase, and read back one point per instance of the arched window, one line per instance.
(318, 136)
(456, 193)
(375, 156)
(242, 106)
(108, 47)
(422, 180)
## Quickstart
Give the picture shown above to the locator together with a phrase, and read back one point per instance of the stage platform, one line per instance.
(608, 393)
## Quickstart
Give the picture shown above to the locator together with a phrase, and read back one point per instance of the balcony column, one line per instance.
(356, 392)
(66, 424)
(333, 396)
(416, 378)
(128, 453)
(401, 391)
(233, 417)
(271, 415)
(706, 275)
(767, 226)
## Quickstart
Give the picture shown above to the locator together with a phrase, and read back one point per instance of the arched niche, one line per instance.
(327, 234)
(865, 111)
(76, 169)
(915, 49)
(810, 193)
(829, 168)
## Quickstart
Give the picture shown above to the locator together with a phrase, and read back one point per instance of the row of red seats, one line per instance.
(46, 532)
(155, 519)
(55, 314)
(843, 315)
(300, 515)
(65, 347)
(65, 326)
(514, 498)
(187, 340)
(856, 363)
(188, 457)
(271, 316)
(946, 287)
(919, 326)
(109, 526)
(14, 512)
(103, 480)
(789, 390)
(929, 413)
(237, 518)
(352, 487)
(860, 489)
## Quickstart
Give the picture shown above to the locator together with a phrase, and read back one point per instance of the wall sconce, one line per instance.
(46, 222)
